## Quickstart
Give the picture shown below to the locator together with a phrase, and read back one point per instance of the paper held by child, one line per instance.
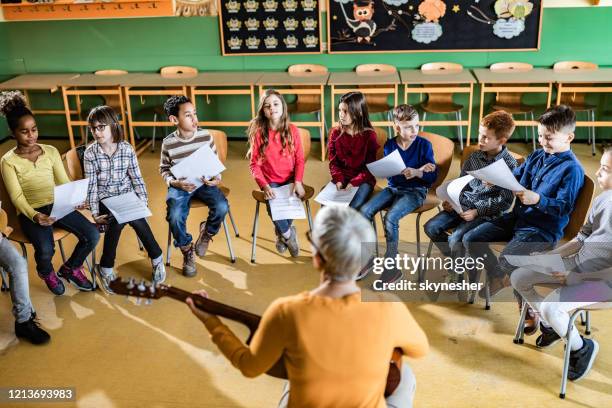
(499, 174)
(68, 196)
(127, 207)
(451, 190)
(201, 163)
(330, 195)
(389, 166)
(286, 205)
(545, 263)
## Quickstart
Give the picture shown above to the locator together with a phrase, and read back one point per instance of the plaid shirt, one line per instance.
(112, 176)
(489, 202)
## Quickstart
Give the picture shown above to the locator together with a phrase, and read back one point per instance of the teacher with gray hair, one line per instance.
(336, 348)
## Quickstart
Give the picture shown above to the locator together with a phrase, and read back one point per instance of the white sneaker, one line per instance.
(105, 279)
(159, 273)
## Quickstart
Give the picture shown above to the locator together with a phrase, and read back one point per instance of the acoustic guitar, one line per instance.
(250, 320)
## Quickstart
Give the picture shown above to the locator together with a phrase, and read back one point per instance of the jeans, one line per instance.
(41, 238)
(362, 195)
(178, 204)
(17, 268)
(113, 233)
(399, 202)
(450, 245)
(281, 226)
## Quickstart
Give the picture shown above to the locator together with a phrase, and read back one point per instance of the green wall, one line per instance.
(149, 43)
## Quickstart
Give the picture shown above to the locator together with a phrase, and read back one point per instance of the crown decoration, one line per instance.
(309, 24)
(270, 5)
(290, 24)
(270, 42)
(309, 5)
(234, 24)
(252, 24)
(290, 5)
(232, 6)
(311, 41)
(234, 43)
(252, 42)
(251, 6)
(291, 41)
(270, 23)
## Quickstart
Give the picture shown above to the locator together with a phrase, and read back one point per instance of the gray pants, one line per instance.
(17, 268)
(402, 397)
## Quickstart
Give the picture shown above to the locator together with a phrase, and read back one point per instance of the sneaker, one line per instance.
(31, 331)
(201, 245)
(292, 243)
(54, 284)
(159, 273)
(391, 275)
(106, 279)
(280, 243)
(582, 360)
(76, 277)
(189, 265)
(548, 338)
(365, 271)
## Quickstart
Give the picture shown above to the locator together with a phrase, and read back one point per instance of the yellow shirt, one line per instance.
(30, 185)
(337, 351)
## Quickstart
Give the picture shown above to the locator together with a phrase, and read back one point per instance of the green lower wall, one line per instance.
(149, 43)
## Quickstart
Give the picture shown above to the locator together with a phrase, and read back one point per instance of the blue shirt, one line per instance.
(419, 153)
(558, 179)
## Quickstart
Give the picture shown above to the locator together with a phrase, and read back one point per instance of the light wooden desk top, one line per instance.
(535, 76)
(237, 78)
(154, 80)
(594, 76)
(353, 78)
(36, 81)
(284, 78)
(91, 80)
(416, 76)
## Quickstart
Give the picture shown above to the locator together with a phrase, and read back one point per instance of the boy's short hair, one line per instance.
(559, 118)
(402, 113)
(500, 122)
(173, 104)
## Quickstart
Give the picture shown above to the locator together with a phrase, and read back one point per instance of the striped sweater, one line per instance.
(175, 148)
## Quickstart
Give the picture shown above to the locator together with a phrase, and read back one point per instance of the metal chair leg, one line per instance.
(168, 247)
(154, 131)
(588, 323)
(520, 334)
(592, 118)
(487, 295)
(61, 247)
(533, 131)
(460, 128)
(229, 242)
(229, 212)
(424, 117)
(389, 119)
(526, 130)
(376, 236)
(4, 287)
(255, 225)
(472, 298)
(418, 243)
(309, 214)
(24, 250)
(93, 270)
(567, 353)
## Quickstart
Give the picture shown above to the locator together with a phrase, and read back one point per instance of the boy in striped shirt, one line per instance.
(186, 139)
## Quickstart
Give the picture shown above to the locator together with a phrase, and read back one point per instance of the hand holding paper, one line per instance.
(201, 163)
(67, 197)
(499, 174)
(286, 206)
(450, 191)
(127, 207)
(330, 195)
(389, 166)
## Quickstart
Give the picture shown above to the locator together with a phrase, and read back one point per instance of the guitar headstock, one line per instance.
(140, 289)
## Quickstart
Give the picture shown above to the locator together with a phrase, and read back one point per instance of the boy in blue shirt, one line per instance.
(406, 191)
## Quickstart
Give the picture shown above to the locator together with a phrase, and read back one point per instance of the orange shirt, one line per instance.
(337, 351)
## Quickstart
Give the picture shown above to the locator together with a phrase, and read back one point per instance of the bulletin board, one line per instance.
(433, 25)
(256, 27)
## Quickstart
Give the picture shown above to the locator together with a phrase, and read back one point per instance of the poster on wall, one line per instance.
(433, 25)
(259, 27)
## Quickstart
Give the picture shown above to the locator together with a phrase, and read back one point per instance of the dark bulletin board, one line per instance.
(433, 25)
(260, 27)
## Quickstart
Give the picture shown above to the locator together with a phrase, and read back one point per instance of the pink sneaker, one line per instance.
(76, 277)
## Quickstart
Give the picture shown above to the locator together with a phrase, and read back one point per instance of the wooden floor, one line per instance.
(119, 354)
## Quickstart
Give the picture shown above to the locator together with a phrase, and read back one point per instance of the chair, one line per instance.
(309, 103)
(381, 138)
(442, 103)
(511, 102)
(577, 100)
(6, 231)
(259, 197)
(220, 140)
(377, 103)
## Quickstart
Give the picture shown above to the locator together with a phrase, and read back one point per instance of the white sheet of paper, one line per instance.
(67, 196)
(202, 162)
(127, 207)
(331, 196)
(499, 174)
(286, 206)
(451, 190)
(389, 166)
(546, 263)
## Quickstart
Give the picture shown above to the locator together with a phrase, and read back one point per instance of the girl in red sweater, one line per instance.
(352, 144)
(276, 158)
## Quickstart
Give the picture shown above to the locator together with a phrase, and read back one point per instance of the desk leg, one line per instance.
(322, 124)
(406, 94)
(395, 96)
(559, 92)
(193, 97)
(68, 121)
(123, 109)
(78, 106)
(482, 93)
(253, 100)
(469, 129)
(129, 112)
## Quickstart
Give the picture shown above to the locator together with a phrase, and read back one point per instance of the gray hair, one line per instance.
(342, 235)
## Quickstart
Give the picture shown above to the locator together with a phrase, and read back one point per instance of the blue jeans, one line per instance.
(178, 204)
(362, 195)
(450, 245)
(281, 226)
(42, 239)
(400, 202)
(17, 267)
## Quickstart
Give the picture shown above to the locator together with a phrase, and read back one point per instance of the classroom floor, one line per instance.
(120, 354)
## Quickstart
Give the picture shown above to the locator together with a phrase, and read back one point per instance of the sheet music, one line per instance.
(545, 263)
(202, 162)
(286, 206)
(127, 207)
(451, 191)
(389, 166)
(330, 195)
(68, 196)
(499, 174)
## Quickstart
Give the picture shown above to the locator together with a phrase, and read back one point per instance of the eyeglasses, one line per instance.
(99, 128)
(316, 248)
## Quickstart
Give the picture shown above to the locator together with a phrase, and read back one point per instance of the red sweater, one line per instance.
(277, 165)
(348, 156)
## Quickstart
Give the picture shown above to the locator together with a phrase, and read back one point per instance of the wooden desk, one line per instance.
(432, 82)
(38, 82)
(370, 83)
(90, 84)
(225, 83)
(515, 81)
(301, 84)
